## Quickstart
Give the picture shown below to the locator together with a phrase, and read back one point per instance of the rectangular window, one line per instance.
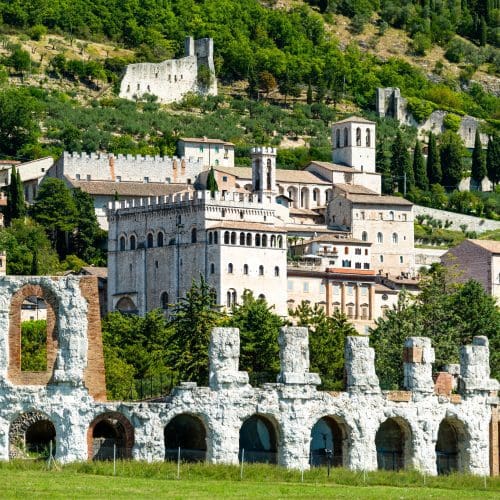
(357, 265)
(89, 177)
(224, 178)
(357, 251)
(290, 285)
(118, 178)
(146, 179)
(77, 177)
(366, 265)
(226, 153)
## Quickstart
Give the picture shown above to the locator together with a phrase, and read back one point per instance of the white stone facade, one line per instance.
(290, 409)
(171, 80)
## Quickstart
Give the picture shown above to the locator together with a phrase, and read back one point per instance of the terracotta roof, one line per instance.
(205, 140)
(332, 238)
(355, 189)
(100, 272)
(9, 162)
(302, 211)
(345, 270)
(127, 188)
(384, 289)
(335, 167)
(354, 119)
(367, 199)
(239, 225)
(282, 175)
(491, 246)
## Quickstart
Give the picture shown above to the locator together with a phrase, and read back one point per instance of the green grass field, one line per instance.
(140, 480)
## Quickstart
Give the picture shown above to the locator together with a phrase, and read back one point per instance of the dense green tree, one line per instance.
(478, 168)
(383, 166)
(447, 312)
(16, 206)
(212, 182)
(434, 172)
(327, 336)
(451, 152)
(54, 208)
(28, 248)
(493, 159)
(34, 345)
(259, 327)
(19, 128)
(192, 320)
(401, 166)
(419, 169)
(19, 60)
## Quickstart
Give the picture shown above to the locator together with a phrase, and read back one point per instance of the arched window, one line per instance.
(242, 238)
(164, 300)
(150, 240)
(216, 238)
(233, 238)
(346, 137)
(159, 239)
(257, 240)
(391, 215)
(264, 240)
(276, 271)
(358, 136)
(346, 250)
(231, 297)
(230, 268)
(337, 138)
(226, 238)
(368, 138)
(193, 235)
(268, 177)
(249, 239)
(122, 243)
(132, 242)
(245, 269)
(380, 238)
(280, 241)
(395, 238)
(261, 270)
(273, 241)
(210, 238)
(212, 268)
(364, 236)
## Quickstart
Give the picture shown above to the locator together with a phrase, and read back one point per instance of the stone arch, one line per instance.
(126, 305)
(187, 432)
(15, 374)
(132, 242)
(393, 443)
(259, 440)
(123, 243)
(451, 449)
(304, 198)
(106, 431)
(150, 240)
(346, 137)
(329, 433)
(159, 239)
(358, 136)
(317, 197)
(32, 431)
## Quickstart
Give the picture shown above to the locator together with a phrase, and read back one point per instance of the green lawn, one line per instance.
(139, 480)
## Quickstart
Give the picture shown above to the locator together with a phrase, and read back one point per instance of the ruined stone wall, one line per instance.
(291, 407)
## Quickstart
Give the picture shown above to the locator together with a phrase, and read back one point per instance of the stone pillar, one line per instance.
(294, 357)
(475, 367)
(360, 366)
(224, 356)
(418, 358)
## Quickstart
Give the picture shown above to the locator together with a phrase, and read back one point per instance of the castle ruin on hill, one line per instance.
(171, 80)
(290, 422)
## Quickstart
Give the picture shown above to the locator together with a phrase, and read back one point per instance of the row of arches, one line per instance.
(259, 440)
(248, 239)
(380, 237)
(308, 198)
(345, 143)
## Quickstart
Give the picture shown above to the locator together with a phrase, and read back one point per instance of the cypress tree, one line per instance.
(493, 159)
(451, 152)
(16, 207)
(478, 169)
(383, 166)
(434, 172)
(309, 94)
(401, 166)
(419, 169)
(483, 32)
(211, 182)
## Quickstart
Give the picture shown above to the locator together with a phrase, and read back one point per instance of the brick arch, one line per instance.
(14, 372)
(18, 429)
(124, 434)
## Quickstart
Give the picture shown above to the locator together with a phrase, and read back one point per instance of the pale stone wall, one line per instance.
(292, 406)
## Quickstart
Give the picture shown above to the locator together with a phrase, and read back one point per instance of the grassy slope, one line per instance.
(95, 480)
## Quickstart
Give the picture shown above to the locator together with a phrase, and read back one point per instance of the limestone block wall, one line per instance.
(68, 404)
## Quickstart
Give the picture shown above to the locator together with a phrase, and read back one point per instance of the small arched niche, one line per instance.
(32, 435)
(328, 442)
(393, 443)
(451, 447)
(185, 434)
(110, 434)
(258, 440)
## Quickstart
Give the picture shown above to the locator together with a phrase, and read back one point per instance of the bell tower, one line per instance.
(264, 171)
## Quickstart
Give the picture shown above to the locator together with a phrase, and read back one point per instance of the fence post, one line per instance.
(242, 461)
(114, 459)
(179, 463)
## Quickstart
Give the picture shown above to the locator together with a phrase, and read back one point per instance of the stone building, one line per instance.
(424, 427)
(208, 152)
(171, 80)
(478, 260)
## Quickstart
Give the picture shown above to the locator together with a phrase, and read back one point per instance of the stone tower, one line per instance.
(353, 143)
(264, 171)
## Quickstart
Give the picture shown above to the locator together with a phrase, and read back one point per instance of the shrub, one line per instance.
(420, 109)
(37, 32)
(452, 122)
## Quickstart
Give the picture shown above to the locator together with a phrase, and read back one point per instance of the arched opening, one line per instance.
(268, 175)
(32, 435)
(109, 434)
(132, 242)
(346, 137)
(245, 269)
(395, 238)
(122, 243)
(216, 238)
(261, 270)
(280, 241)
(258, 440)
(272, 243)
(210, 238)
(358, 136)
(242, 238)
(328, 442)
(233, 238)
(304, 198)
(159, 239)
(364, 236)
(337, 138)
(188, 433)
(230, 268)
(392, 442)
(380, 238)
(150, 240)
(164, 301)
(276, 271)
(194, 236)
(249, 239)
(226, 237)
(33, 334)
(126, 306)
(368, 138)
(257, 240)
(450, 447)
(264, 240)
